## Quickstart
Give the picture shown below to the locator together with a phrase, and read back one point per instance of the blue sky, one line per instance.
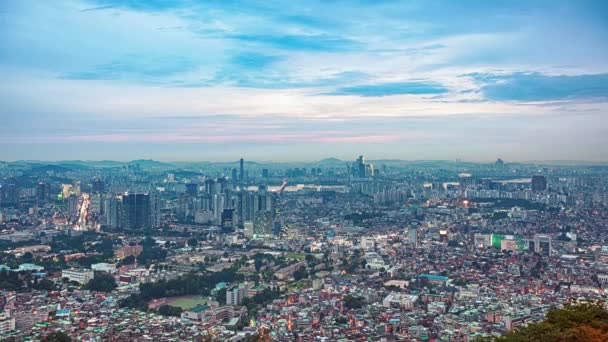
(303, 80)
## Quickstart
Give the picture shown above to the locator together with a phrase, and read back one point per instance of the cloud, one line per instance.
(534, 86)
(141, 5)
(388, 89)
(138, 67)
(300, 42)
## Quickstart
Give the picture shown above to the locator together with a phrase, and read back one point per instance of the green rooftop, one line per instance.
(199, 308)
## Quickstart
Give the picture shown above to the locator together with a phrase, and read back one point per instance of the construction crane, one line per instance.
(282, 187)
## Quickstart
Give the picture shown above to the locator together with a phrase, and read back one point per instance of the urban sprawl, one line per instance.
(327, 251)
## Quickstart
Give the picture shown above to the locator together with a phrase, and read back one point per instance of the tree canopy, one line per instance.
(102, 281)
(586, 322)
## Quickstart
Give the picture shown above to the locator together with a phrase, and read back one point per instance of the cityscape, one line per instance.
(325, 251)
(308, 171)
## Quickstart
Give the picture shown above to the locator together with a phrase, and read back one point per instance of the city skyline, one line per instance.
(189, 81)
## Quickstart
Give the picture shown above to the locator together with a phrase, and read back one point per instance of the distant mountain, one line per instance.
(52, 168)
(330, 161)
(149, 163)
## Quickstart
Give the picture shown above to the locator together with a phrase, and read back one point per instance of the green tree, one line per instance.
(576, 322)
(353, 302)
(168, 310)
(300, 273)
(103, 282)
(57, 336)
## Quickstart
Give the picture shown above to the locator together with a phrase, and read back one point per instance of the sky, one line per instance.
(186, 80)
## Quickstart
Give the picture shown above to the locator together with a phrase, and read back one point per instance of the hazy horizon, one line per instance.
(309, 161)
(184, 80)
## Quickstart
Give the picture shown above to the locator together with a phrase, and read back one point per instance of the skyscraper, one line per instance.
(192, 189)
(155, 208)
(219, 202)
(242, 174)
(465, 180)
(499, 164)
(73, 206)
(112, 210)
(233, 176)
(42, 192)
(97, 186)
(539, 183)
(136, 210)
(9, 192)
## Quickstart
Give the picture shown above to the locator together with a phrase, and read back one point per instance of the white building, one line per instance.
(6, 324)
(80, 276)
(104, 267)
(400, 300)
(368, 243)
(248, 229)
(235, 295)
(374, 261)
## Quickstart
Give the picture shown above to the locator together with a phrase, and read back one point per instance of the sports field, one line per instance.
(186, 302)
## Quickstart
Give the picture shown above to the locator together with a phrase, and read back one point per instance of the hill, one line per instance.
(578, 322)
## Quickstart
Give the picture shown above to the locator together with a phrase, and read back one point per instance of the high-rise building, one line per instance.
(465, 180)
(263, 224)
(112, 210)
(136, 210)
(248, 229)
(236, 295)
(155, 204)
(42, 192)
(210, 186)
(192, 189)
(9, 192)
(73, 206)
(542, 244)
(539, 183)
(233, 176)
(264, 173)
(360, 167)
(412, 236)
(219, 202)
(96, 203)
(242, 170)
(499, 164)
(97, 186)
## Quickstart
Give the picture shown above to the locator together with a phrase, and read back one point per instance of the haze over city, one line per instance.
(300, 81)
(307, 171)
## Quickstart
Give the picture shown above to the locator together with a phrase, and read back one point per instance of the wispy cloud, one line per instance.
(347, 70)
(534, 86)
(388, 89)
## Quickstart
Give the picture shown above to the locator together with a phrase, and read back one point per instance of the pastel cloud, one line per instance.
(282, 70)
(535, 86)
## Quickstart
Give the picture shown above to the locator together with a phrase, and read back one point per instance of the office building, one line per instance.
(136, 210)
(155, 203)
(112, 210)
(542, 244)
(9, 192)
(81, 276)
(192, 189)
(43, 191)
(73, 206)
(539, 183)
(104, 267)
(234, 176)
(236, 294)
(97, 186)
(248, 229)
(242, 170)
